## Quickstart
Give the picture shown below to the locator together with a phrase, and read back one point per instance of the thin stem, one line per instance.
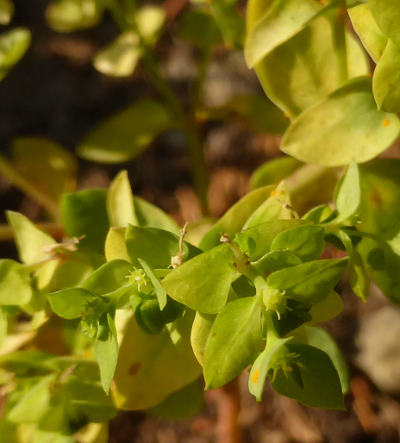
(185, 122)
(340, 39)
(28, 188)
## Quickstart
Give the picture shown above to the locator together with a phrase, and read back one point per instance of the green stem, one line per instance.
(340, 41)
(28, 188)
(184, 121)
(272, 333)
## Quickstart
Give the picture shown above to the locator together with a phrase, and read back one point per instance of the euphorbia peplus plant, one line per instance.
(157, 307)
(142, 309)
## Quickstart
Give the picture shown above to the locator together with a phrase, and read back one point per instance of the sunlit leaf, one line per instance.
(13, 45)
(386, 80)
(370, 35)
(345, 126)
(15, 286)
(237, 328)
(151, 367)
(72, 15)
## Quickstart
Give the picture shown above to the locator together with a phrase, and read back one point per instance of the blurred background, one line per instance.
(55, 93)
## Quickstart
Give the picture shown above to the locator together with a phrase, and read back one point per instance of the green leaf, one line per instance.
(199, 28)
(320, 339)
(309, 282)
(235, 218)
(203, 282)
(85, 399)
(387, 15)
(273, 171)
(345, 126)
(32, 243)
(159, 290)
(3, 325)
(155, 246)
(380, 206)
(45, 164)
(120, 203)
(319, 214)
(181, 404)
(256, 111)
(6, 11)
(150, 20)
(314, 63)
(115, 247)
(320, 387)
(348, 198)
(200, 332)
(54, 427)
(380, 215)
(277, 206)
(151, 367)
(13, 45)
(307, 242)
(153, 217)
(273, 261)
(119, 58)
(237, 328)
(255, 242)
(358, 277)
(229, 21)
(386, 80)
(328, 308)
(75, 302)
(109, 277)
(73, 15)
(34, 403)
(281, 20)
(124, 135)
(106, 350)
(262, 365)
(370, 35)
(84, 213)
(15, 284)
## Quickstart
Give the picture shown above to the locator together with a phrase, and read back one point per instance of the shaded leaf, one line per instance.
(320, 387)
(310, 282)
(84, 213)
(106, 350)
(124, 135)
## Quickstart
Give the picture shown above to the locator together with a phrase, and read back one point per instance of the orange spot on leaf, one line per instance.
(255, 376)
(386, 122)
(134, 369)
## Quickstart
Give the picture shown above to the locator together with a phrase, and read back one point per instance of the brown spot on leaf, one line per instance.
(134, 369)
